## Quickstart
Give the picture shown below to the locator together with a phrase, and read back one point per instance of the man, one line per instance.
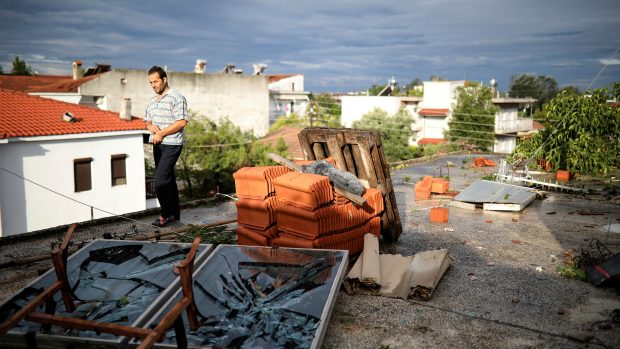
(166, 116)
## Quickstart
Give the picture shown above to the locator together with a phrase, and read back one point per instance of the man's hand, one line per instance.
(158, 137)
(152, 128)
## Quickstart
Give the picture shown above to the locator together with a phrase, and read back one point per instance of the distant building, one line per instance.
(433, 111)
(243, 99)
(83, 154)
(286, 96)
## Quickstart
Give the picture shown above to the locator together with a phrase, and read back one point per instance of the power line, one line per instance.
(72, 199)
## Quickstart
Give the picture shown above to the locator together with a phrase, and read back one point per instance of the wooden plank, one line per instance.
(335, 151)
(348, 158)
(284, 161)
(305, 145)
(319, 152)
(367, 162)
(357, 157)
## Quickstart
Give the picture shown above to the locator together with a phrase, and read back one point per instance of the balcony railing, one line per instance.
(512, 126)
(150, 188)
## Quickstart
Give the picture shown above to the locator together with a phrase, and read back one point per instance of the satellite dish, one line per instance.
(493, 82)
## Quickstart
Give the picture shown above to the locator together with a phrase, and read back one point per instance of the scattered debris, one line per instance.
(496, 196)
(395, 275)
(606, 273)
(482, 162)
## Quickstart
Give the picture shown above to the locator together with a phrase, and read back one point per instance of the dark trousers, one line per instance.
(166, 157)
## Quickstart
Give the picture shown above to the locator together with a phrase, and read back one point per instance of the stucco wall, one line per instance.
(26, 207)
(244, 99)
(354, 107)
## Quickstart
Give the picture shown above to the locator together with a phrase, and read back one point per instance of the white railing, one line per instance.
(511, 126)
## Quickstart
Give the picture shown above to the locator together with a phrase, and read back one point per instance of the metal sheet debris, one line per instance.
(260, 297)
(112, 281)
(496, 196)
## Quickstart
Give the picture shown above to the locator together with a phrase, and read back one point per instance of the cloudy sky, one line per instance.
(339, 45)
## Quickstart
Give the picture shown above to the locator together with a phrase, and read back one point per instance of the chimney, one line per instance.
(200, 66)
(125, 113)
(259, 69)
(77, 69)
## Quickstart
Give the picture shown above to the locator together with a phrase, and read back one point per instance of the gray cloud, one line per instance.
(340, 45)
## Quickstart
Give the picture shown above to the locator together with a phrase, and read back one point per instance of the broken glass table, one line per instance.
(261, 297)
(111, 281)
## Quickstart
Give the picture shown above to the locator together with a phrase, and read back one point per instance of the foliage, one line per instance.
(541, 87)
(473, 117)
(324, 110)
(214, 151)
(1, 70)
(437, 78)
(209, 235)
(432, 149)
(20, 67)
(293, 119)
(585, 137)
(415, 88)
(375, 89)
(395, 132)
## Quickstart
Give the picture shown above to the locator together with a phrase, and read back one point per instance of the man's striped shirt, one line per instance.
(165, 112)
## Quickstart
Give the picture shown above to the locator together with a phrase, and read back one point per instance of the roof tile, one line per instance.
(23, 115)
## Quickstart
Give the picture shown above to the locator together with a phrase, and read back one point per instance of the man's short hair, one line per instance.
(158, 70)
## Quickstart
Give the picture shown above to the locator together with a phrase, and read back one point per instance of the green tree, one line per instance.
(293, 119)
(20, 67)
(473, 117)
(437, 78)
(1, 70)
(542, 88)
(395, 132)
(585, 137)
(214, 151)
(415, 88)
(323, 110)
(375, 89)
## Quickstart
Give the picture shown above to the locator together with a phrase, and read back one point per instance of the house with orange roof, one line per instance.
(287, 95)
(62, 163)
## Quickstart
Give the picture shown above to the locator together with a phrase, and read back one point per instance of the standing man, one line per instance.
(166, 116)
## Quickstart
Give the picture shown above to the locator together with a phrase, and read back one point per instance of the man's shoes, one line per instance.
(162, 222)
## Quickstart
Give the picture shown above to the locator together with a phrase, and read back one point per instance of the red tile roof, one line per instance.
(289, 135)
(433, 112)
(23, 115)
(63, 86)
(274, 78)
(431, 141)
(25, 83)
(537, 125)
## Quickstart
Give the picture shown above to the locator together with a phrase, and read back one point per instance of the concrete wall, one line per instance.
(431, 127)
(244, 99)
(26, 207)
(505, 144)
(440, 94)
(75, 98)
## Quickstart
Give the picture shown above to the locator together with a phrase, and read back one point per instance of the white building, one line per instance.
(286, 96)
(62, 163)
(433, 112)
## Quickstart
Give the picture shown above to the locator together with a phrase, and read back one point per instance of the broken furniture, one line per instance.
(101, 295)
(260, 297)
(361, 153)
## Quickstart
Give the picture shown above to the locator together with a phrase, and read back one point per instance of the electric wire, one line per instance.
(77, 201)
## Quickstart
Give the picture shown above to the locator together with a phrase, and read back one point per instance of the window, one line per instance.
(81, 174)
(119, 174)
